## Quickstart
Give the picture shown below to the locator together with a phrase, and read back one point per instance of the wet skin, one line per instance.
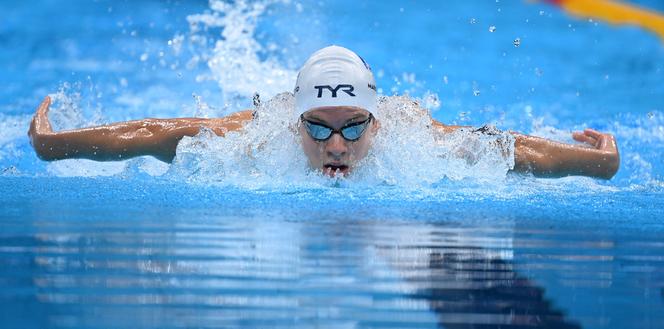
(597, 157)
(336, 155)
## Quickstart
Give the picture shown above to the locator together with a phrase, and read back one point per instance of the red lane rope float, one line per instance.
(614, 12)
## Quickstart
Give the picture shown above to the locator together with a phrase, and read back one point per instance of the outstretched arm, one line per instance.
(546, 158)
(119, 141)
(599, 158)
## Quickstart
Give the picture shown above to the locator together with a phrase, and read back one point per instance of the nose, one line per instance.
(336, 146)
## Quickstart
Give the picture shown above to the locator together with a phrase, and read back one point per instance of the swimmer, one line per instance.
(335, 98)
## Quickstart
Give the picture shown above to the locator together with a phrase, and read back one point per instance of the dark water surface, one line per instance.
(158, 255)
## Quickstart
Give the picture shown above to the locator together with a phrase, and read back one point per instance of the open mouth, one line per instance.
(333, 169)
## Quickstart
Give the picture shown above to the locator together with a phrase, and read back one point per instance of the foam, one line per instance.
(234, 61)
(12, 129)
(407, 151)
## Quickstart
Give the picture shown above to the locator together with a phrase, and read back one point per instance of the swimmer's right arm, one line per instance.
(122, 140)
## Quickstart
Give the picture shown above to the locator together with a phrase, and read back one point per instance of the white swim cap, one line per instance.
(335, 76)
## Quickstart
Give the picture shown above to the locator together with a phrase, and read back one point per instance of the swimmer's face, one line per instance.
(337, 155)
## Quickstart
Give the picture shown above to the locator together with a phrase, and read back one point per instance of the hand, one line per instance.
(40, 126)
(41, 133)
(605, 144)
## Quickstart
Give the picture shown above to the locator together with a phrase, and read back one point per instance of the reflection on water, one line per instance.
(468, 279)
(495, 297)
(178, 271)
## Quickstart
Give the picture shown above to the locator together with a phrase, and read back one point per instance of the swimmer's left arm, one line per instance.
(546, 158)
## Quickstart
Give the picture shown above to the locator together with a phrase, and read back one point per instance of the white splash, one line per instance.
(410, 151)
(265, 153)
(12, 129)
(73, 106)
(407, 151)
(234, 60)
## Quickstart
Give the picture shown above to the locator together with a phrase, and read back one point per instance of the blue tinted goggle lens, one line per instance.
(351, 132)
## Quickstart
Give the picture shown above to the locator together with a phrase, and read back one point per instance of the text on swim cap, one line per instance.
(348, 89)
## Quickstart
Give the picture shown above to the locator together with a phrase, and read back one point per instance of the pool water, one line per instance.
(139, 243)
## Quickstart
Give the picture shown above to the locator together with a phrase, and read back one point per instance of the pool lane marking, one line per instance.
(614, 12)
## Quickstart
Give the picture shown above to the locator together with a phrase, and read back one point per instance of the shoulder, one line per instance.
(445, 128)
(245, 115)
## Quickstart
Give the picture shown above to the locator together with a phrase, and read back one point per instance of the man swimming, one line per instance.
(335, 101)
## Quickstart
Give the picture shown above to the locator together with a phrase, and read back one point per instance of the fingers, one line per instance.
(42, 110)
(608, 143)
(599, 140)
(604, 141)
(593, 133)
(40, 123)
(583, 138)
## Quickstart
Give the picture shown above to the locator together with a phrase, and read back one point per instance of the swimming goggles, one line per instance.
(321, 133)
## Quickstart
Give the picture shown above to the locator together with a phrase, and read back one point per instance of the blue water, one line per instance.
(135, 244)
